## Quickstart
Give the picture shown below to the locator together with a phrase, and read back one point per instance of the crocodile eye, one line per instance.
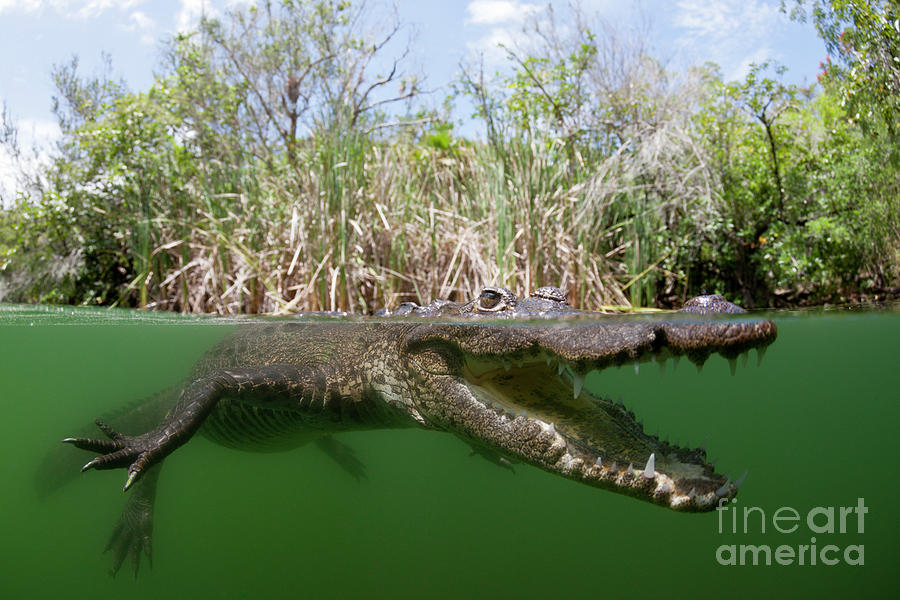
(489, 300)
(494, 299)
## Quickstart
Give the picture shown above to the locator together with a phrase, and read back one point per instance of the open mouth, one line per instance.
(600, 441)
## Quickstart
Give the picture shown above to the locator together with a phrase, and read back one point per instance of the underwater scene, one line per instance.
(815, 425)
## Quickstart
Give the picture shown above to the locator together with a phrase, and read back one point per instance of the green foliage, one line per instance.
(805, 203)
(440, 137)
(865, 39)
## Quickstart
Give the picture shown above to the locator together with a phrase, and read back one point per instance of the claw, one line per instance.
(132, 477)
(104, 446)
(109, 431)
(90, 465)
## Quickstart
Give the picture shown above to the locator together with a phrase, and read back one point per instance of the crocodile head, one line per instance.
(517, 388)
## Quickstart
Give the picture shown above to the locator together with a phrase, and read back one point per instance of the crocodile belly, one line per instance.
(242, 426)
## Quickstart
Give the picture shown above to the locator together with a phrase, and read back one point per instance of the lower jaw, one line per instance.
(687, 486)
(648, 483)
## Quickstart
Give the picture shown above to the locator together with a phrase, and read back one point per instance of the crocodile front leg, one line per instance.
(140, 452)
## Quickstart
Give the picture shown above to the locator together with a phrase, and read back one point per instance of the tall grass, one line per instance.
(366, 225)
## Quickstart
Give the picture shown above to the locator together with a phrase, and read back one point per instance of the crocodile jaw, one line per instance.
(539, 413)
(519, 391)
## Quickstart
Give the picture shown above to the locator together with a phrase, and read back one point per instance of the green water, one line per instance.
(816, 425)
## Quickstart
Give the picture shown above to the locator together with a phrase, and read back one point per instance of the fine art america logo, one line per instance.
(818, 520)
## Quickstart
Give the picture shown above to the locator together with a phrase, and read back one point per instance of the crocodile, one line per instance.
(505, 374)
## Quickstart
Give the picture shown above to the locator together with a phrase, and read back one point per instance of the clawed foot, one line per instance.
(135, 452)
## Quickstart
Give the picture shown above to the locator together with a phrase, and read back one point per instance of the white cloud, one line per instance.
(492, 46)
(506, 19)
(141, 23)
(36, 139)
(25, 6)
(756, 57)
(498, 12)
(190, 13)
(732, 33)
(72, 9)
(90, 9)
(38, 132)
(725, 19)
(606, 6)
(8, 178)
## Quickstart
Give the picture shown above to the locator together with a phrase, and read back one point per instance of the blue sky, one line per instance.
(35, 34)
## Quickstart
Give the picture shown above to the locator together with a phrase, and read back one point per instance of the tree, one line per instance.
(864, 36)
(802, 209)
(295, 68)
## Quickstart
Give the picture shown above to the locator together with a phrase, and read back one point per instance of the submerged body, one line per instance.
(514, 391)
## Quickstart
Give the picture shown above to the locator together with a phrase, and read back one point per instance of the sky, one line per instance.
(36, 34)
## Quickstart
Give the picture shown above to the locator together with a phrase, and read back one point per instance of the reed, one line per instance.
(367, 224)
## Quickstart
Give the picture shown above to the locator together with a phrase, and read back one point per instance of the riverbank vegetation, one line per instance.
(284, 159)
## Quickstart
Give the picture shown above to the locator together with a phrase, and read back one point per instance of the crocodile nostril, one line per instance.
(550, 293)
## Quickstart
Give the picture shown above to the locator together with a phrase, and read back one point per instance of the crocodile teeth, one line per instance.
(578, 383)
(613, 468)
(662, 367)
(692, 493)
(637, 367)
(506, 364)
(650, 469)
(732, 364)
(760, 352)
(547, 427)
(724, 489)
(630, 470)
(675, 361)
(560, 368)
(744, 357)
(599, 462)
(740, 480)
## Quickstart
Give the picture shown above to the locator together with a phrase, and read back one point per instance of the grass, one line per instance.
(368, 225)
